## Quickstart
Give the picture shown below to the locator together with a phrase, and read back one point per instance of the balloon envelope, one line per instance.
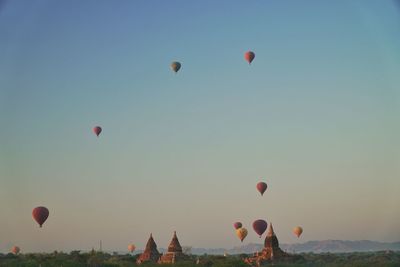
(241, 233)
(40, 214)
(298, 231)
(15, 250)
(131, 248)
(175, 66)
(261, 187)
(97, 130)
(260, 226)
(237, 225)
(249, 56)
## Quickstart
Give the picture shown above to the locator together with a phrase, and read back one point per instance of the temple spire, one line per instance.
(270, 252)
(174, 252)
(174, 246)
(270, 230)
(150, 252)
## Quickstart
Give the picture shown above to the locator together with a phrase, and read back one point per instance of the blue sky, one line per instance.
(316, 116)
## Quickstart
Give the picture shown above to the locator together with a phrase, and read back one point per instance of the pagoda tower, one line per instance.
(270, 252)
(174, 252)
(150, 253)
(271, 245)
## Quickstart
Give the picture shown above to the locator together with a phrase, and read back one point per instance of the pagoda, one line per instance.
(174, 252)
(270, 252)
(271, 246)
(150, 254)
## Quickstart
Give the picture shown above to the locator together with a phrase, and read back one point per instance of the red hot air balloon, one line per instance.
(260, 226)
(237, 225)
(15, 250)
(261, 187)
(249, 56)
(40, 214)
(97, 130)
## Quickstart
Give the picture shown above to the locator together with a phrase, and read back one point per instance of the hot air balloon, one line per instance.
(40, 215)
(237, 225)
(261, 187)
(241, 233)
(249, 56)
(97, 130)
(297, 231)
(175, 66)
(260, 226)
(15, 250)
(131, 248)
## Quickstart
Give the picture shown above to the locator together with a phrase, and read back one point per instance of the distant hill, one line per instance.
(333, 246)
(341, 246)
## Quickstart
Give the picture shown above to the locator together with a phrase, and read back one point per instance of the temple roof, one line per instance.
(174, 246)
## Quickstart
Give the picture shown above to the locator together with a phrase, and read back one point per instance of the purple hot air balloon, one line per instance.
(97, 130)
(260, 226)
(237, 225)
(261, 187)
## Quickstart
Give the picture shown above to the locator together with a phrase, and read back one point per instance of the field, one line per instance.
(99, 259)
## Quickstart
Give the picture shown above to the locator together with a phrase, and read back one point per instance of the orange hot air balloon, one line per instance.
(131, 248)
(97, 130)
(249, 56)
(40, 214)
(297, 231)
(15, 250)
(241, 233)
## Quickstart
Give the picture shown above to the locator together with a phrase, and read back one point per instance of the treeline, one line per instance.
(99, 259)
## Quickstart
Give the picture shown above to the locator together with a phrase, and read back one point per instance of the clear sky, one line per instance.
(316, 116)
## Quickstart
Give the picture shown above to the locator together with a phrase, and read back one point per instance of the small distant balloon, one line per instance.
(249, 56)
(237, 225)
(15, 250)
(297, 231)
(97, 130)
(40, 214)
(175, 66)
(261, 187)
(241, 233)
(131, 248)
(260, 226)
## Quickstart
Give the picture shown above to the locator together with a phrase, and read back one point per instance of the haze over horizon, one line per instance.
(316, 116)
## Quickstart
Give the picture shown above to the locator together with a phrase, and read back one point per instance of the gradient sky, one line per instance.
(316, 116)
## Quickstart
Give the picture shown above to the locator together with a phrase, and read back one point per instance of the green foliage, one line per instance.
(99, 259)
